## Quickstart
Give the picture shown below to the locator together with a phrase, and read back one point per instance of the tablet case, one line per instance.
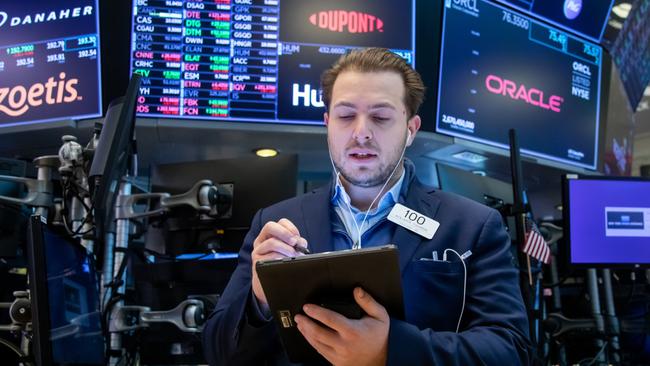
(328, 279)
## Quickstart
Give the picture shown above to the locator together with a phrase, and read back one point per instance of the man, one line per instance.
(458, 311)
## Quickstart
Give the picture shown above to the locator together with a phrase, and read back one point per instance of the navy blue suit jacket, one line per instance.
(494, 325)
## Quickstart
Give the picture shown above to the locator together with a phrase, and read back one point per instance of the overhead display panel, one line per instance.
(253, 60)
(501, 70)
(586, 18)
(49, 61)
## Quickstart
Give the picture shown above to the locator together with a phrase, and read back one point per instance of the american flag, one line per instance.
(536, 246)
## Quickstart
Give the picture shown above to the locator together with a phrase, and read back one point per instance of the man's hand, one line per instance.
(346, 341)
(276, 240)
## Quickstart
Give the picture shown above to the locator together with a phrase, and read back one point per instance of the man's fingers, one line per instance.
(328, 317)
(292, 228)
(316, 333)
(274, 245)
(289, 226)
(369, 305)
(275, 230)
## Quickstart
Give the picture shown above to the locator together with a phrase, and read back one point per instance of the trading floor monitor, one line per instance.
(64, 298)
(607, 221)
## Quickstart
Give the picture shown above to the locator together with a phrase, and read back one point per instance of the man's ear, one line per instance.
(413, 126)
(326, 118)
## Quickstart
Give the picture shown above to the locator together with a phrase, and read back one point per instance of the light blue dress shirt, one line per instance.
(349, 215)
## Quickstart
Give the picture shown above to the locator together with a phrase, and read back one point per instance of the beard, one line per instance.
(370, 177)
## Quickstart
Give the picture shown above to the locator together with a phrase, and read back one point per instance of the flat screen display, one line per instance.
(631, 52)
(49, 61)
(586, 18)
(254, 60)
(65, 300)
(501, 70)
(608, 221)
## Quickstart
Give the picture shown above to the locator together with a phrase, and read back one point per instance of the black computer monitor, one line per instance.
(485, 190)
(488, 191)
(112, 156)
(607, 221)
(13, 218)
(257, 183)
(64, 295)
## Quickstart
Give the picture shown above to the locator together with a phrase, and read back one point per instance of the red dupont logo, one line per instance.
(533, 96)
(347, 21)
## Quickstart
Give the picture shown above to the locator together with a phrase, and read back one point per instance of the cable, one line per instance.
(66, 185)
(560, 281)
(593, 359)
(462, 309)
(12, 347)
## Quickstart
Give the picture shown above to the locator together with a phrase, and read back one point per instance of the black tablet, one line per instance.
(328, 279)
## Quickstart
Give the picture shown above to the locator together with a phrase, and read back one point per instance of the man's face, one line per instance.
(367, 126)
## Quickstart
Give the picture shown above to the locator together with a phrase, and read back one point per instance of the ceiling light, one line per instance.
(266, 152)
(622, 10)
(470, 157)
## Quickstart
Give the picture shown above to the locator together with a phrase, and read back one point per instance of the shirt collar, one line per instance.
(341, 198)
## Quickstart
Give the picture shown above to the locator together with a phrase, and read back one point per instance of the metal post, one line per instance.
(121, 241)
(592, 284)
(613, 325)
(557, 300)
(44, 166)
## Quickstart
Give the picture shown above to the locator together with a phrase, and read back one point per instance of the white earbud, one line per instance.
(408, 136)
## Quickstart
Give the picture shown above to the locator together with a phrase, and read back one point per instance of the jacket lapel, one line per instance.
(317, 221)
(418, 199)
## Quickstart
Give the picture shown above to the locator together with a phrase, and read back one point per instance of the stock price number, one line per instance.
(55, 44)
(57, 57)
(592, 51)
(92, 52)
(27, 61)
(82, 41)
(516, 20)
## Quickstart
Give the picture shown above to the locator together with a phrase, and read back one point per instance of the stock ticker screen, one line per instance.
(254, 60)
(586, 18)
(518, 73)
(49, 61)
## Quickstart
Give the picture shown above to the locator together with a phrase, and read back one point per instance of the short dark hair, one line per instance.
(376, 60)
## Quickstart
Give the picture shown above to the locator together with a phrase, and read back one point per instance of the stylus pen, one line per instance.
(302, 250)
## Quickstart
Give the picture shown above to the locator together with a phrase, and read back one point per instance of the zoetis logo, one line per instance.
(17, 100)
(532, 96)
(347, 21)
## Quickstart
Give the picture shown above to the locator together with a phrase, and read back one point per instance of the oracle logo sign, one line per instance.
(17, 100)
(341, 21)
(532, 96)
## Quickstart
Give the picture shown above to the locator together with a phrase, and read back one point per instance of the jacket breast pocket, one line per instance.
(438, 266)
(433, 294)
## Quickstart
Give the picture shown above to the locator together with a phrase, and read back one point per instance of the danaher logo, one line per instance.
(497, 85)
(347, 21)
(43, 17)
(16, 101)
